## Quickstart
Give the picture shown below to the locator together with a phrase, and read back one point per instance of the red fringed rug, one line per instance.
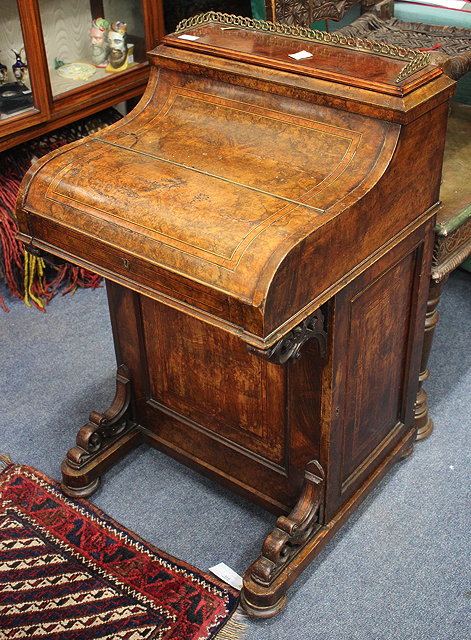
(36, 280)
(69, 572)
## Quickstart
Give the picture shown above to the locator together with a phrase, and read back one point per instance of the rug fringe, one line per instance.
(5, 461)
(27, 278)
(235, 628)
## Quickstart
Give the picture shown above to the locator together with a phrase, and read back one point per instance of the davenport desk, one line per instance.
(264, 219)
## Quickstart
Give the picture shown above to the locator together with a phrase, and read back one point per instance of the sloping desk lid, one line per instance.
(199, 194)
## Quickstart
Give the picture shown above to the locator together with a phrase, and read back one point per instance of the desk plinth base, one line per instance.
(305, 429)
(288, 549)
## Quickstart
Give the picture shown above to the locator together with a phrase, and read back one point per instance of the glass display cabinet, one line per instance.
(61, 61)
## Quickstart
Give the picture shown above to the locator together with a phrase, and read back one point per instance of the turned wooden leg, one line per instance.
(101, 442)
(422, 420)
(260, 596)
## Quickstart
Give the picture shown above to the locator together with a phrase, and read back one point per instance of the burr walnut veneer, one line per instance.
(266, 227)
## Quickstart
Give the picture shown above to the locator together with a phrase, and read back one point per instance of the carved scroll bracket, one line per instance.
(289, 346)
(291, 532)
(103, 429)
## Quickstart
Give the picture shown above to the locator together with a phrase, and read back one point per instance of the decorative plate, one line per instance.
(77, 71)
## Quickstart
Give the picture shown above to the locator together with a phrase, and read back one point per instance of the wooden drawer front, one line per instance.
(128, 268)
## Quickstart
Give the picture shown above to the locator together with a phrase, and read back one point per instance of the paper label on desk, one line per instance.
(227, 575)
(187, 36)
(300, 55)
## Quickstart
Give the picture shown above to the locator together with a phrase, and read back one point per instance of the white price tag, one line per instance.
(187, 36)
(300, 55)
(227, 575)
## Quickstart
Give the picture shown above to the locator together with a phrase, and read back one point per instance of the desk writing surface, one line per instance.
(211, 189)
(211, 186)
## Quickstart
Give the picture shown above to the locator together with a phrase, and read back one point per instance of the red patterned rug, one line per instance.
(70, 572)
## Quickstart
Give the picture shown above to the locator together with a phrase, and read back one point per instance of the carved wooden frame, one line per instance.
(305, 12)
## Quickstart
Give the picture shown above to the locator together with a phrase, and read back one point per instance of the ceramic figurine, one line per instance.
(98, 38)
(19, 67)
(3, 73)
(118, 58)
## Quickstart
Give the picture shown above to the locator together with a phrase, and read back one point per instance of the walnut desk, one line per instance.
(265, 224)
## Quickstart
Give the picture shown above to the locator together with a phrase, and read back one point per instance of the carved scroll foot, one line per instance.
(101, 442)
(269, 577)
(262, 612)
(79, 492)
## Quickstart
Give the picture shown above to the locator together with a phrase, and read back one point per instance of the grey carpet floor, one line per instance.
(398, 570)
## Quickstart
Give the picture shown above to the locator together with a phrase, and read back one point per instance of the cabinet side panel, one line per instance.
(379, 325)
(208, 377)
(379, 317)
(304, 409)
(201, 397)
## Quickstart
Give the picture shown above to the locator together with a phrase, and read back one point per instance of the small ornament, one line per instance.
(19, 66)
(118, 58)
(99, 41)
(3, 73)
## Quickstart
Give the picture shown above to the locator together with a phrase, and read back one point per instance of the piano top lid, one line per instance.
(380, 67)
